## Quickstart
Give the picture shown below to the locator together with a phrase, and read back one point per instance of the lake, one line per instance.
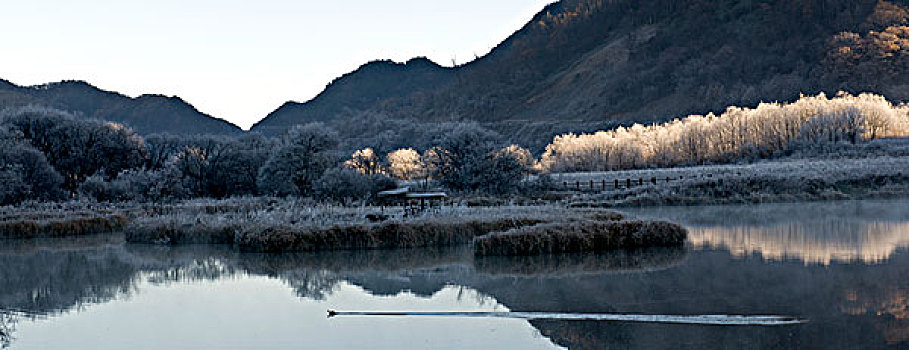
(843, 267)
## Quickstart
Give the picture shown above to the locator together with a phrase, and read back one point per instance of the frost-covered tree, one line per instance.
(808, 124)
(520, 154)
(76, 148)
(236, 171)
(468, 157)
(366, 161)
(346, 184)
(301, 159)
(162, 148)
(504, 170)
(24, 172)
(460, 153)
(406, 164)
(212, 166)
(142, 185)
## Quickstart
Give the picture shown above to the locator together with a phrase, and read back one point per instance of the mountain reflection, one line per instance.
(47, 278)
(815, 233)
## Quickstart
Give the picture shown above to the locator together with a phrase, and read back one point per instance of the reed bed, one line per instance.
(580, 236)
(392, 235)
(292, 225)
(295, 229)
(61, 227)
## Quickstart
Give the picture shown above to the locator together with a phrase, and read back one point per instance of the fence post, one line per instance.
(640, 181)
(616, 183)
(653, 180)
(577, 185)
(628, 183)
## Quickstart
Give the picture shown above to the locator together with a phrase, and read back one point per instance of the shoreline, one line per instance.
(547, 221)
(275, 226)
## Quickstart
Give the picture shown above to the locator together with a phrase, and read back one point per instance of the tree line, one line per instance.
(49, 154)
(812, 124)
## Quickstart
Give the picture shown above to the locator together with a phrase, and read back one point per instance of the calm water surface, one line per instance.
(844, 266)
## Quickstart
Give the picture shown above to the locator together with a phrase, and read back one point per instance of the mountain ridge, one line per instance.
(146, 114)
(623, 61)
(579, 64)
(375, 81)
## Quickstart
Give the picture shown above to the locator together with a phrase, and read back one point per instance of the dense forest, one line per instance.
(49, 154)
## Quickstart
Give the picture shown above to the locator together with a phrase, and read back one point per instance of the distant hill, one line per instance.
(378, 82)
(145, 114)
(620, 61)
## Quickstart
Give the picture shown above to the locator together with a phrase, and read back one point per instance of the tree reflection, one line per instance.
(848, 305)
(7, 328)
(816, 233)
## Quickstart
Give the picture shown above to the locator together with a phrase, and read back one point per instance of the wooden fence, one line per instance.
(617, 184)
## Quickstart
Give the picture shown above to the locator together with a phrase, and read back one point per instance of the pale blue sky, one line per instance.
(239, 60)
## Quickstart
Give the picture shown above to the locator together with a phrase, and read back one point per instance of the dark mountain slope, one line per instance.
(617, 61)
(146, 114)
(376, 82)
(650, 60)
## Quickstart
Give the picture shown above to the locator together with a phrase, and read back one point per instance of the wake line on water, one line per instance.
(716, 320)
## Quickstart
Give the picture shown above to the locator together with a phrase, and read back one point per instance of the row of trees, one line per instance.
(464, 157)
(48, 154)
(770, 129)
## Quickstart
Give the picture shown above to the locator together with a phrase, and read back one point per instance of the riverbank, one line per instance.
(787, 180)
(580, 236)
(27, 224)
(343, 228)
(291, 225)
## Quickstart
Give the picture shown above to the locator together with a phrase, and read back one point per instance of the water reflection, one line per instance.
(53, 278)
(7, 328)
(815, 233)
(622, 261)
(850, 303)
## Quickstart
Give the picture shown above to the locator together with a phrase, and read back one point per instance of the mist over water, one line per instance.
(839, 266)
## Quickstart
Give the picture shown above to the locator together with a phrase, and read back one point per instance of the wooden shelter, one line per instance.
(413, 202)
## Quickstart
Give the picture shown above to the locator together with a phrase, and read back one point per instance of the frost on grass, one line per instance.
(295, 225)
(769, 181)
